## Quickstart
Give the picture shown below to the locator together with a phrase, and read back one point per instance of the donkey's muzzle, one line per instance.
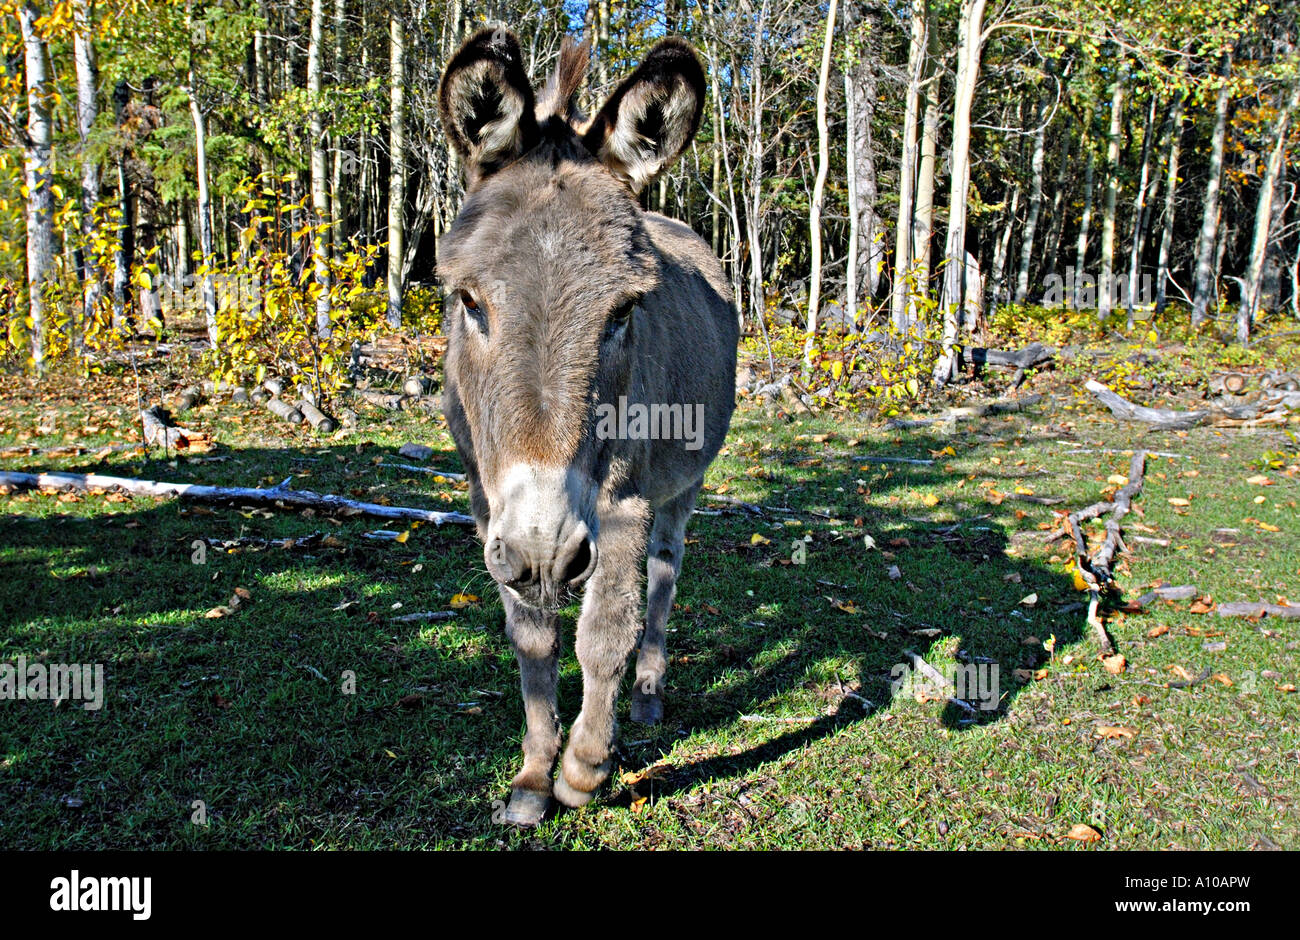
(541, 571)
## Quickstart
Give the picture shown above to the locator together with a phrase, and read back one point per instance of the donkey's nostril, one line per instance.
(581, 564)
(508, 565)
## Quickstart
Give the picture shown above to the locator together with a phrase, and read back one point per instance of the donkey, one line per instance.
(566, 300)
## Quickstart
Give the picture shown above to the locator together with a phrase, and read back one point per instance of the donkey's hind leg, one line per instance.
(663, 565)
(535, 636)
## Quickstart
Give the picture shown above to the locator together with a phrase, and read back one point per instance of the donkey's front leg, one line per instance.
(535, 636)
(663, 565)
(607, 631)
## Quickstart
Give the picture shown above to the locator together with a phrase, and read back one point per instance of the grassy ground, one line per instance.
(782, 729)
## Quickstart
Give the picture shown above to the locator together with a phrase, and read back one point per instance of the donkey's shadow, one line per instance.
(755, 634)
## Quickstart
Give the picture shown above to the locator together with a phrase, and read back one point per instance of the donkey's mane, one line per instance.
(558, 97)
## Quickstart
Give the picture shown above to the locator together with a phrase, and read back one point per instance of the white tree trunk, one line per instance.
(1171, 191)
(1263, 219)
(1106, 280)
(319, 170)
(1035, 202)
(970, 41)
(907, 171)
(87, 110)
(1139, 211)
(1205, 243)
(819, 189)
(397, 173)
(38, 179)
(204, 212)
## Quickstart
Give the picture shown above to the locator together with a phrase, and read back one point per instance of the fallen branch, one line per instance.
(1163, 418)
(952, 415)
(1272, 407)
(939, 679)
(1095, 570)
(280, 495)
(445, 474)
(1257, 609)
(424, 615)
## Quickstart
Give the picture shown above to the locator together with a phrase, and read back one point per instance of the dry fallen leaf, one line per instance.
(1115, 731)
(1115, 664)
(1158, 631)
(463, 600)
(1179, 501)
(1082, 832)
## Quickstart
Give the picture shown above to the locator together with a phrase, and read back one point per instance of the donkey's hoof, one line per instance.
(527, 807)
(569, 796)
(647, 709)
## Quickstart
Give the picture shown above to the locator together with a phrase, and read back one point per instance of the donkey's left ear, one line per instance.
(486, 103)
(651, 117)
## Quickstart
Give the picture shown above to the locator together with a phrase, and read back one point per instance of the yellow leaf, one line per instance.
(1117, 479)
(401, 539)
(1179, 501)
(759, 539)
(463, 600)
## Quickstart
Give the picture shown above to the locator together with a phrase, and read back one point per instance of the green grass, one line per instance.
(234, 711)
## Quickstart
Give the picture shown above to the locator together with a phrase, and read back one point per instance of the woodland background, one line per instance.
(274, 170)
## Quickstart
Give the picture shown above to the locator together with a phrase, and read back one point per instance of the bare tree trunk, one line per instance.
(1139, 210)
(970, 41)
(851, 183)
(861, 75)
(1106, 280)
(1204, 279)
(397, 172)
(319, 170)
(1035, 202)
(1171, 191)
(1085, 222)
(204, 212)
(819, 189)
(1001, 251)
(124, 251)
(38, 179)
(923, 223)
(1056, 231)
(87, 110)
(1263, 219)
(907, 171)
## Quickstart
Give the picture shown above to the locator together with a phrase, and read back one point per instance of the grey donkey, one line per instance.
(565, 302)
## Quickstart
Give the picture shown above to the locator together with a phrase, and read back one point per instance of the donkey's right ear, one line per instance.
(486, 103)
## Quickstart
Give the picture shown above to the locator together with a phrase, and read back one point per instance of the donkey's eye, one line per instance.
(618, 319)
(474, 310)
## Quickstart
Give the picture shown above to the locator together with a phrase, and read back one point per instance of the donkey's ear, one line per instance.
(653, 115)
(486, 103)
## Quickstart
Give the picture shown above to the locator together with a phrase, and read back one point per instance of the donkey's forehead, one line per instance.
(548, 216)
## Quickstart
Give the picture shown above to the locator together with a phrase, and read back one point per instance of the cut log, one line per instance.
(1163, 418)
(160, 432)
(417, 386)
(282, 409)
(188, 398)
(1228, 383)
(277, 496)
(274, 386)
(389, 401)
(319, 420)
